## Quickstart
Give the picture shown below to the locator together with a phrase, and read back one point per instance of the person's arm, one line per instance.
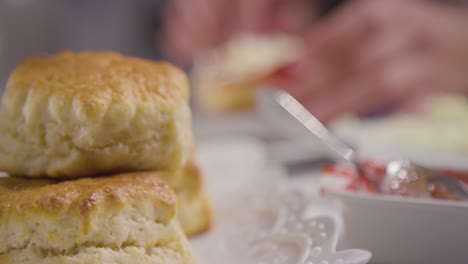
(371, 53)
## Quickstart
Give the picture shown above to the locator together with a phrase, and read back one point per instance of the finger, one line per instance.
(380, 48)
(354, 96)
(200, 21)
(294, 16)
(415, 103)
(318, 81)
(255, 16)
(409, 74)
(224, 18)
(195, 26)
(344, 28)
(174, 43)
(331, 48)
(336, 39)
(377, 52)
(318, 74)
(368, 90)
(427, 82)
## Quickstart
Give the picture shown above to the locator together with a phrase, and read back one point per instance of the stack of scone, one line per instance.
(98, 146)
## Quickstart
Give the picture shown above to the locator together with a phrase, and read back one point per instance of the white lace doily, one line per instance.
(259, 218)
(274, 230)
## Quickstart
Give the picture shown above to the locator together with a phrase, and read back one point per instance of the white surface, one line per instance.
(257, 218)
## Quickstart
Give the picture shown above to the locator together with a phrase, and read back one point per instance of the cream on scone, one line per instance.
(84, 114)
(125, 218)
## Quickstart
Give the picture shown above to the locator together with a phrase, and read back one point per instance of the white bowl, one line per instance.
(405, 230)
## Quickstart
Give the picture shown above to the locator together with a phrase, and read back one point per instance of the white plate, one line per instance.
(258, 217)
(405, 230)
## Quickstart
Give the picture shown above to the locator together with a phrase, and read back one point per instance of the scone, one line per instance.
(125, 218)
(226, 77)
(194, 209)
(83, 114)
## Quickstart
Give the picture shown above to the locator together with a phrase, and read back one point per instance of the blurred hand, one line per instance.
(194, 26)
(373, 53)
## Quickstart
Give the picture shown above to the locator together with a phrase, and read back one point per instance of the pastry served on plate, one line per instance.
(226, 77)
(124, 218)
(82, 114)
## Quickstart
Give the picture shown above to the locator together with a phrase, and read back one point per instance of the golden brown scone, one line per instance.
(194, 213)
(89, 113)
(227, 97)
(226, 77)
(194, 208)
(90, 220)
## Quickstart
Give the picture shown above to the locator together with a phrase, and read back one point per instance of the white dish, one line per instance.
(405, 230)
(258, 218)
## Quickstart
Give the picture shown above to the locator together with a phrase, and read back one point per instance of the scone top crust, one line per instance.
(90, 80)
(83, 196)
(73, 115)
